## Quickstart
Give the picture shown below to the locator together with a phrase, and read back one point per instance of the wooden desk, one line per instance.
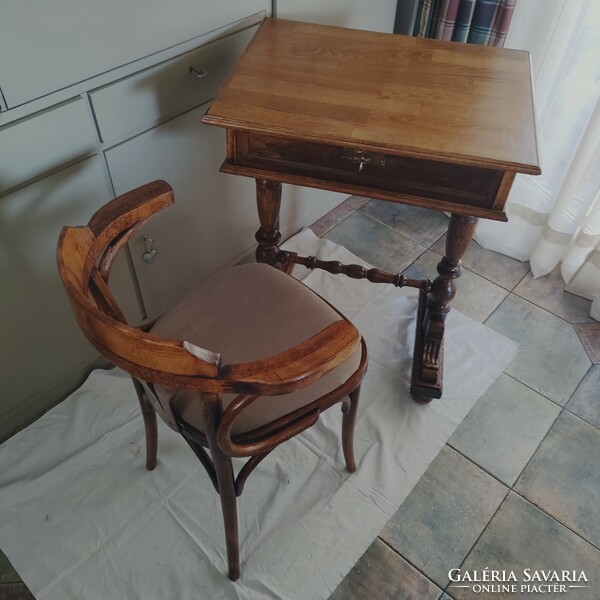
(436, 124)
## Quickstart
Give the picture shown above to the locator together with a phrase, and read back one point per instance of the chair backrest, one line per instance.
(85, 256)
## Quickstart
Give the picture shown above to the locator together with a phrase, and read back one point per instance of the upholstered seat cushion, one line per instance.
(247, 313)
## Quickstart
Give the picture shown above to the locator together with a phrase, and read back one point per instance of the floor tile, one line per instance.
(548, 292)
(585, 402)
(420, 224)
(522, 537)
(502, 270)
(381, 574)
(589, 334)
(7, 571)
(377, 244)
(504, 428)
(441, 519)
(15, 591)
(355, 202)
(331, 219)
(563, 477)
(551, 358)
(476, 297)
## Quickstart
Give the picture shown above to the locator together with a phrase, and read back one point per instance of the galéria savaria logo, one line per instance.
(527, 581)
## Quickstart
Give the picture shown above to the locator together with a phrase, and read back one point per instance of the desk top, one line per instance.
(446, 101)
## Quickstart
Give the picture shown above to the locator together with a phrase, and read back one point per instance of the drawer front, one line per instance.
(138, 102)
(45, 142)
(408, 178)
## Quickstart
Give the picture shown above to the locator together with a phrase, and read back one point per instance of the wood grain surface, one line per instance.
(415, 97)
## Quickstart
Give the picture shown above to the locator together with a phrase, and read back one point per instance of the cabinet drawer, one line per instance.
(138, 102)
(440, 184)
(45, 142)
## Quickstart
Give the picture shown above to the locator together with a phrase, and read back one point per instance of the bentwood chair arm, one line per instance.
(285, 427)
(244, 449)
(282, 373)
(296, 367)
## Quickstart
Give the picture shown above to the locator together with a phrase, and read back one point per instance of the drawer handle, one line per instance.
(198, 72)
(363, 158)
(150, 253)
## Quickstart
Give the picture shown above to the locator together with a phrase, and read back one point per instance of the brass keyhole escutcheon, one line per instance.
(363, 157)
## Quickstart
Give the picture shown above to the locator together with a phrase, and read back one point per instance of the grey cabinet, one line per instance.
(64, 153)
(55, 154)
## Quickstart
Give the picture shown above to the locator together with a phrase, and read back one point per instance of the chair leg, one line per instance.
(213, 411)
(149, 415)
(348, 423)
(224, 470)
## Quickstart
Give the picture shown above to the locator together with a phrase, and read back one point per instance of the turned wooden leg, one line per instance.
(348, 422)
(428, 365)
(150, 425)
(226, 483)
(268, 201)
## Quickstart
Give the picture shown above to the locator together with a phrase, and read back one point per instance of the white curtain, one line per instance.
(555, 218)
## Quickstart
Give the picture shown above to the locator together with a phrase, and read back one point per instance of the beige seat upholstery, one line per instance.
(250, 312)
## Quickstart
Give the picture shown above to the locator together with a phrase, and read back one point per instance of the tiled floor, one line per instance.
(518, 484)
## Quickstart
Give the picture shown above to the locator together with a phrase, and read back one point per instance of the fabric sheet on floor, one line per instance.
(81, 518)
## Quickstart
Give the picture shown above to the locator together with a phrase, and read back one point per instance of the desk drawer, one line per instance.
(417, 180)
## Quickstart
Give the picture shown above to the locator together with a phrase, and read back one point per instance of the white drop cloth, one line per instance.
(81, 518)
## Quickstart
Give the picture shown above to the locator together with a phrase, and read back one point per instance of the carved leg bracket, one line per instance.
(428, 359)
(426, 382)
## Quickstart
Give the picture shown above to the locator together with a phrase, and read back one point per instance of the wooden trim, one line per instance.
(504, 189)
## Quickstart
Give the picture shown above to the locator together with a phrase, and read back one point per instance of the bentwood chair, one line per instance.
(245, 361)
